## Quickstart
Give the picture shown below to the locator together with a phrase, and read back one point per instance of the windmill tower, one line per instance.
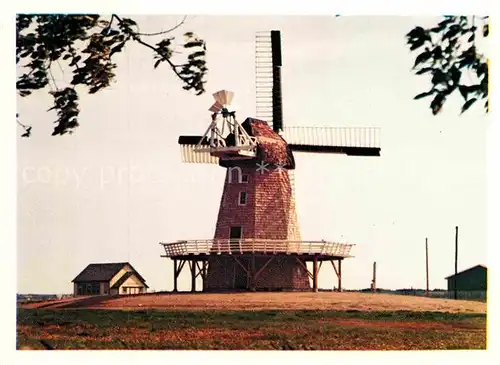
(257, 243)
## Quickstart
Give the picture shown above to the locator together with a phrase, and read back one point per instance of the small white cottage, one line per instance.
(109, 279)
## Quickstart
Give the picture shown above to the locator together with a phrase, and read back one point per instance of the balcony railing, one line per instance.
(243, 246)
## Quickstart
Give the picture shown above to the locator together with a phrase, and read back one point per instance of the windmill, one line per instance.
(257, 243)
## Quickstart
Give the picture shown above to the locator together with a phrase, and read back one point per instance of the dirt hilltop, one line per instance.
(265, 300)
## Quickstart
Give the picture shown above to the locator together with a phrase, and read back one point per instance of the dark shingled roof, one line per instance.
(271, 147)
(103, 272)
(467, 270)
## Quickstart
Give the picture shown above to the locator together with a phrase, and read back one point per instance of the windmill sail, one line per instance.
(268, 78)
(353, 141)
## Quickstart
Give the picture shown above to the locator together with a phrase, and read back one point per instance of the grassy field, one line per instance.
(349, 329)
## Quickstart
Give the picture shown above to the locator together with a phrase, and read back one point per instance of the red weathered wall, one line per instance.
(270, 209)
(269, 214)
(284, 272)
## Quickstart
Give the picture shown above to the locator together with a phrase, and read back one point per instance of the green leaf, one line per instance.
(437, 53)
(423, 95)
(194, 55)
(417, 44)
(464, 91)
(448, 20)
(486, 30)
(416, 32)
(452, 32)
(438, 77)
(468, 104)
(117, 48)
(455, 75)
(482, 69)
(421, 58)
(158, 62)
(437, 103)
(193, 44)
(424, 70)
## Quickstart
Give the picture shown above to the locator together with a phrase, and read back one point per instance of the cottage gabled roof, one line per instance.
(125, 277)
(465, 271)
(103, 272)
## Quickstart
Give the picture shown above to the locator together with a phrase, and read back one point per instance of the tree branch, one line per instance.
(164, 31)
(49, 70)
(139, 40)
(27, 128)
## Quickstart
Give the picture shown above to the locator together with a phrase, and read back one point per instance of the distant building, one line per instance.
(472, 279)
(109, 279)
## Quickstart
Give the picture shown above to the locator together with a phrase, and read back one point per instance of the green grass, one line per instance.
(269, 329)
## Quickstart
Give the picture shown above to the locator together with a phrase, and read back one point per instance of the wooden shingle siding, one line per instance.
(269, 213)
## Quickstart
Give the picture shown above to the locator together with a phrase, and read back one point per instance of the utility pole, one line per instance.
(374, 280)
(427, 266)
(456, 263)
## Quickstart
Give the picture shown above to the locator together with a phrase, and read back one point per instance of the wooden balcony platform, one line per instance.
(322, 250)
(197, 253)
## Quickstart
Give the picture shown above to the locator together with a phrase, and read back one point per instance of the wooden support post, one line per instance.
(304, 265)
(340, 275)
(204, 275)
(315, 274)
(175, 276)
(193, 275)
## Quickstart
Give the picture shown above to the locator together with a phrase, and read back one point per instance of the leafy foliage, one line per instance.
(449, 53)
(86, 45)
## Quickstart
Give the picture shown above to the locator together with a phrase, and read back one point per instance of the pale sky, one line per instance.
(116, 187)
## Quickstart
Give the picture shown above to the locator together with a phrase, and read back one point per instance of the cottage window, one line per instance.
(95, 289)
(244, 179)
